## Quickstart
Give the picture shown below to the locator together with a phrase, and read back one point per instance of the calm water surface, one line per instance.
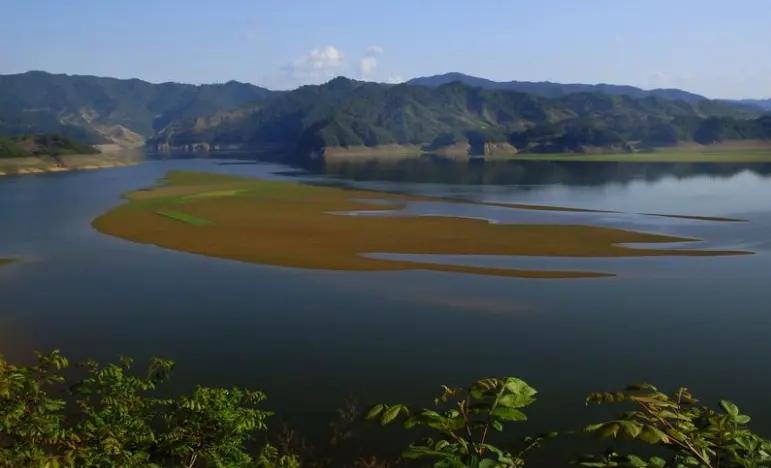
(310, 338)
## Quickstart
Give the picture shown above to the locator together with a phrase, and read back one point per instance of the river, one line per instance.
(310, 338)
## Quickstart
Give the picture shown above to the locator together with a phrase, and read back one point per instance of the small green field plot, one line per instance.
(185, 218)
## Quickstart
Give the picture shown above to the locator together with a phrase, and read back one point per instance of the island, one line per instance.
(284, 223)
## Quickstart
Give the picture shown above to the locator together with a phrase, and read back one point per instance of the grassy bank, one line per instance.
(291, 224)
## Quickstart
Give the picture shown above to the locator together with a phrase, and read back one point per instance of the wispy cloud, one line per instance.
(373, 50)
(368, 63)
(319, 63)
(660, 79)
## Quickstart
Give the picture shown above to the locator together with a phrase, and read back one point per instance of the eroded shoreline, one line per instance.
(82, 162)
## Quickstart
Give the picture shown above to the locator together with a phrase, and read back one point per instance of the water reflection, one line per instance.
(524, 173)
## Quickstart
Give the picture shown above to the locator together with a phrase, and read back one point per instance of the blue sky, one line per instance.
(715, 48)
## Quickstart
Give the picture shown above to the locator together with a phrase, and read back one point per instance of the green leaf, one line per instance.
(630, 429)
(593, 427)
(656, 462)
(653, 435)
(741, 419)
(442, 444)
(511, 400)
(390, 414)
(608, 430)
(509, 414)
(729, 407)
(519, 387)
(374, 412)
(497, 425)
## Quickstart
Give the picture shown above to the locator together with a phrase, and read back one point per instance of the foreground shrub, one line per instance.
(111, 417)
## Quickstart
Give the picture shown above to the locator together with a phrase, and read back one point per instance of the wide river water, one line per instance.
(310, 338)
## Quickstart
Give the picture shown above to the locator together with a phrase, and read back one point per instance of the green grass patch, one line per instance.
(216, 193)
(185, 218)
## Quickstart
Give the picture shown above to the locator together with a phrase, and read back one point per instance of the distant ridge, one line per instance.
(764, 104)
(549, 89)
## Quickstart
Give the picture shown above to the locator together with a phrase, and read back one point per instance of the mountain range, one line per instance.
(96, 109)
(452, 112)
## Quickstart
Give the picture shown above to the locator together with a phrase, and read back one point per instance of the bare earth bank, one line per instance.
(112, 156)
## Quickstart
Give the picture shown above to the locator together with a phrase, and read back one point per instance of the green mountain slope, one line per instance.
(347, 113)
(89, 107)
(42, 145)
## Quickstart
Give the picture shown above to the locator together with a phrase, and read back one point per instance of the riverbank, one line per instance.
(111, 156)
(726, 152)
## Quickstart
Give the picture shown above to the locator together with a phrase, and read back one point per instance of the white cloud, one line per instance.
(657, 78)
(323, 63)
(373, 50)
(394, 80)
(366, 66)
(368, 63)
(660, 79)
(319, 63)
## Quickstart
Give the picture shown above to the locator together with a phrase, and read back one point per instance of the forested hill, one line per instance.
(42, 145)
(348, 113)
(96, 109)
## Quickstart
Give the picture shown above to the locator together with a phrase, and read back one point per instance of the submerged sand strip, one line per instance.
(289, 224)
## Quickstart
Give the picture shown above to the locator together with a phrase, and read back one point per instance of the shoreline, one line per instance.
(82, 162)
(740, 152)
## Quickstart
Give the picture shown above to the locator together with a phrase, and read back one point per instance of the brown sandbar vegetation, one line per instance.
(289, 224)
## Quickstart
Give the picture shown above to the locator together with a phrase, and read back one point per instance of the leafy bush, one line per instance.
(110, 417)
(463, 420)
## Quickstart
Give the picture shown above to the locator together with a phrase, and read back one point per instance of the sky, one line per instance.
(712, 47)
